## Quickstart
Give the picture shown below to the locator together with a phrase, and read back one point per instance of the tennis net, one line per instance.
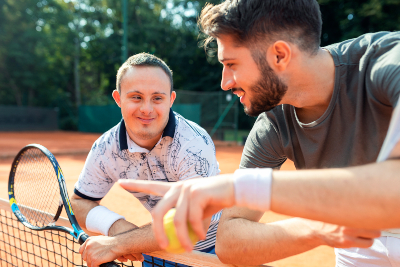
(21, 246)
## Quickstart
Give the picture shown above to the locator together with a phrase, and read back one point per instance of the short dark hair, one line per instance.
(143, 59)
(251, 22)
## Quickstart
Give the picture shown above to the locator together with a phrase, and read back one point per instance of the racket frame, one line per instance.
(77, 231)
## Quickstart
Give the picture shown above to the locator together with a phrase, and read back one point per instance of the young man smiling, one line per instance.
(150, 143)
(321, 107)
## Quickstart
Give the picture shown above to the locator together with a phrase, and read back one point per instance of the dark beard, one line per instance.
(268, 91)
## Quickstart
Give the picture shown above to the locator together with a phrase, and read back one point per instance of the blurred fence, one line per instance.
(213, 105)
(98, 119)
(217, 112)
(14, 118)
(203, 108)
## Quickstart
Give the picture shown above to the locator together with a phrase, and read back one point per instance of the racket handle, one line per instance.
(82, 240)
(109, 264)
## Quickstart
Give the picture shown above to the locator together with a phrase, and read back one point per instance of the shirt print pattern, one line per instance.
(189, 153)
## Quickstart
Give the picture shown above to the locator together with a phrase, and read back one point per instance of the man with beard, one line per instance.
(321, 107)
(151, 143)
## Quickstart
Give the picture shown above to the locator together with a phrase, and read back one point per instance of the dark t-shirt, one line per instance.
(352, 129)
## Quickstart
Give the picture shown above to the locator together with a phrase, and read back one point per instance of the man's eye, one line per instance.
(136, 97)
(158, 98)
(229, 65)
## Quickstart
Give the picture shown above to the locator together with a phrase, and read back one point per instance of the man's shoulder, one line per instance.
(350, 51)
(190, 130)
(191, 150)
(276, 116)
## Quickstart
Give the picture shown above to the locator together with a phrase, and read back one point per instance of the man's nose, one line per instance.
(146, 107)
(227, 81)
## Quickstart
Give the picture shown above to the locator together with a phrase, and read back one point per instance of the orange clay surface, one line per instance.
(71, 148)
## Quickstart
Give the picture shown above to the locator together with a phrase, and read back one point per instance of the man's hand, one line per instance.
(121, 227)
(341, 236)
(194, 200)
(101, 249)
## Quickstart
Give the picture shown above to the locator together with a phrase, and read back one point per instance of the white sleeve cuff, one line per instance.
(100, 219)
(253, 188)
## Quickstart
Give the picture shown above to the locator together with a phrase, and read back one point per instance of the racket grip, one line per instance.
(109, 264)
(82, 240)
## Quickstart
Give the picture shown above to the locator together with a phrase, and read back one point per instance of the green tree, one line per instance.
(343, 20)
(38, 51)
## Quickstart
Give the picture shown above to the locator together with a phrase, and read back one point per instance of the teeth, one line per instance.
(240, 93)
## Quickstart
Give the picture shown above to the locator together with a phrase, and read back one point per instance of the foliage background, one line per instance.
(38, 52)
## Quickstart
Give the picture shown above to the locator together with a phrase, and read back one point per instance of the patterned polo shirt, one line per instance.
(184, 151)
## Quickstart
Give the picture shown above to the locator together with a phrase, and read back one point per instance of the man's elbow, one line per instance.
(222, 253)
(73, 199)
(223, 247)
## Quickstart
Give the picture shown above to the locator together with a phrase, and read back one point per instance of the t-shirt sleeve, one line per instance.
(263, 146)
(95, 181)
(385, 72)
(197, 159)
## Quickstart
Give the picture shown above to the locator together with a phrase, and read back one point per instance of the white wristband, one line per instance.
(253, 188)
(100, 219)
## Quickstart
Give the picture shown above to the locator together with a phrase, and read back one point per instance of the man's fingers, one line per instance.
(180, 219)
(134, 257)
(364, 233)
(359, 242)
(123, 259)
(163, 206)
(197, 205)
(82, 248)
(149, 187)
(141, 258)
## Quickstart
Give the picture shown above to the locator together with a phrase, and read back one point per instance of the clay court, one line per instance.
(71, 148)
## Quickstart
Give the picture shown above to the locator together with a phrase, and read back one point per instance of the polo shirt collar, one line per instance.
(123, 142)
(169, 130)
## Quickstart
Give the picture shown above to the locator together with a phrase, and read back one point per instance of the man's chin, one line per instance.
(254, 113)
(249, 111)
(146, 135)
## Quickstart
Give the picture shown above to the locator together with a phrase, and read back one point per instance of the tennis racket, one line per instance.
(37, 193)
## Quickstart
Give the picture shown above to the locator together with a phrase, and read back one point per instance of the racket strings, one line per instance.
(36, 188)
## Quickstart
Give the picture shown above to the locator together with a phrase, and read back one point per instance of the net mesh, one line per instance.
(21, 246)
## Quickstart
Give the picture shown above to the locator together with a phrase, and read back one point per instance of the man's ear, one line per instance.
(173, 97)
(117, 97)
(279, 55)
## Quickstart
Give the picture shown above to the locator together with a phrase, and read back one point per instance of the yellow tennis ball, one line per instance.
(174, 245)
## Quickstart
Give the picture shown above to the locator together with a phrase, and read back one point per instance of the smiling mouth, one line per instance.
(146, 120)
(238, 92)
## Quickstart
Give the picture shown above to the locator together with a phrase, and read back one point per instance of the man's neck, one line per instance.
(312, 86)
(148, 144)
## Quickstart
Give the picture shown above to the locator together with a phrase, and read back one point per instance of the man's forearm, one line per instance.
(262, 243)
(81, 208)
(359, 196)
(139, 240)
